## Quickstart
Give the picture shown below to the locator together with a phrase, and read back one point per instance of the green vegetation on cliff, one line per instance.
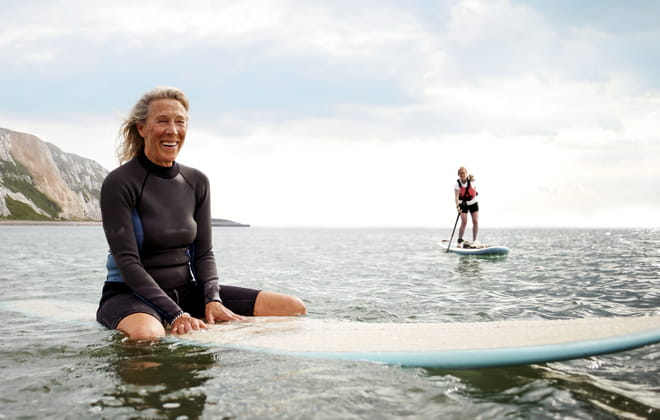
(17, 179)
(21, 211)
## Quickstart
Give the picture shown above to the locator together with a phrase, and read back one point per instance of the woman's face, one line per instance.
(164, 131)
(462, 174)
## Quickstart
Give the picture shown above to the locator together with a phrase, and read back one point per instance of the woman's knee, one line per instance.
(141, 326)
(297, 306)
(278, 304)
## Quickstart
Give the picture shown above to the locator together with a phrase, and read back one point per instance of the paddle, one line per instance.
(452, 232)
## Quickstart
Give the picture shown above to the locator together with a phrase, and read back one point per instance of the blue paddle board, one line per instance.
(450, 345)
(485, 251)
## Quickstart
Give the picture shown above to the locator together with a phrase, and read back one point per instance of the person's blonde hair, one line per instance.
(131, 143)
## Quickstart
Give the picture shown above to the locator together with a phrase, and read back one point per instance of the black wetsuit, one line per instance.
(157, 223)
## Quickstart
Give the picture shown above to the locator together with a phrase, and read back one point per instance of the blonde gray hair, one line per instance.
(131, 143)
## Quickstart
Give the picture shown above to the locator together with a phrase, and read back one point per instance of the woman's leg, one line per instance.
(475, 225)
(253, 302)
(461, 230)
(278, 304)
(141, 326)
(120, 309)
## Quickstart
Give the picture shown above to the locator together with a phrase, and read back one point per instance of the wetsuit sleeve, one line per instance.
(204, 266)
(119, 195)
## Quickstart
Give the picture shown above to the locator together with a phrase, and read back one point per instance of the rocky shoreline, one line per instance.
(50, 222)
(215, 223)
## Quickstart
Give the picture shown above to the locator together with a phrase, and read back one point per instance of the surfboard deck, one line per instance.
(486, 251)
(450, 345)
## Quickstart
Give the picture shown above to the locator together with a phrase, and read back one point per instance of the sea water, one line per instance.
(60, 370)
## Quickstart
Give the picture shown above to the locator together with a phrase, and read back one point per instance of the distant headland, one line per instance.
(227, 223)
(214, 222)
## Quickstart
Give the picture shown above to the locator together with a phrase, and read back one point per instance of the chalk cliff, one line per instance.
(38, 181)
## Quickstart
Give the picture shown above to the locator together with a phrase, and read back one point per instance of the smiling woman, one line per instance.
(157, 220)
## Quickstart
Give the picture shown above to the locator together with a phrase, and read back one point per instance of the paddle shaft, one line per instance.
(454, 230)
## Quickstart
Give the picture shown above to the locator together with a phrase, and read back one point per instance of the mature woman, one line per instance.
(465, 196)
(157, 221)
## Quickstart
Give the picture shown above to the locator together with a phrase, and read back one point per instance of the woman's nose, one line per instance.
(171, 128)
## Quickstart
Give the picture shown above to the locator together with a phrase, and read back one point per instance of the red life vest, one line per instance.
(467, 193)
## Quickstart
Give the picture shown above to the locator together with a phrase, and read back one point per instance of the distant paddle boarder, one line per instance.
(465, 196)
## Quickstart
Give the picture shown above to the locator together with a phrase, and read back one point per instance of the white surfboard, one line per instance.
(451, 345)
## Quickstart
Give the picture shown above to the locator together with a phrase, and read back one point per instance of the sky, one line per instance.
(339, 113)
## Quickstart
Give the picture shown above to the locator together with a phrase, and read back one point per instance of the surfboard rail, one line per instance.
(494, 250)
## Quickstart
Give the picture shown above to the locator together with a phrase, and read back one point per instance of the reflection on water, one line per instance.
(158, 380)
(549, 383)
(468, 268)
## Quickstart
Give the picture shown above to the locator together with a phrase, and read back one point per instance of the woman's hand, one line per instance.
(186, 323)
(216, 311)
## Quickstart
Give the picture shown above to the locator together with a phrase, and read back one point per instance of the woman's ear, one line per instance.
(140, 128)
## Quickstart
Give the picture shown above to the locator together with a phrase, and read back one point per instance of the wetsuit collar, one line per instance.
(159, 171)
